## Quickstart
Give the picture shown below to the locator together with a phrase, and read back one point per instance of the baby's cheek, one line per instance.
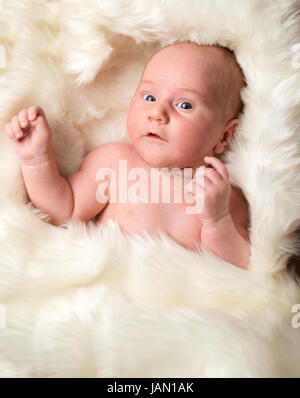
(135, 125)
(130, 122)
(131, 116)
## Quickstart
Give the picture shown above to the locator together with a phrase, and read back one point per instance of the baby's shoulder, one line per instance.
(111, 153)
(116, 148)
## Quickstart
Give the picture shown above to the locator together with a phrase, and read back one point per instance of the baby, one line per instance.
(184, 111)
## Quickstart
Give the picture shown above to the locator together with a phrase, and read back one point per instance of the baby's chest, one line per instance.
(154, 217)
(152, 202)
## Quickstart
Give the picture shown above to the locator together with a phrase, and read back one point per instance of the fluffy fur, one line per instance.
(83, 301)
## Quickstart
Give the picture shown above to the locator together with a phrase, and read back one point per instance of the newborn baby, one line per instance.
(184, 111)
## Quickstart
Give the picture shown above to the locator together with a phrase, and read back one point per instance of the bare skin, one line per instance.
(171, 217)
(171, 125)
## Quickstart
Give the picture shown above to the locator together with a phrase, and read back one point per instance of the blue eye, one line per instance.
(185, 105)
(149, 97)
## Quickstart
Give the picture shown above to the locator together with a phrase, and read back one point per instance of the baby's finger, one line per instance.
(201, 177)
(17, 132)
(23, 118)
(218, 165)
(197, 187)
(34, 112)
(9, 132)
(205, 182)
(213, 175)
(190, 187)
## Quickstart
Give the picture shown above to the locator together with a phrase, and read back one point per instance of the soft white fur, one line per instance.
(83, 301)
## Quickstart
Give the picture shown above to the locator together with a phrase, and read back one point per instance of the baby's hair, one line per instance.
(232, 54)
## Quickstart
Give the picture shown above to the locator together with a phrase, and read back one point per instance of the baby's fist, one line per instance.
(30, 134)
(214, 187)
(16, 129)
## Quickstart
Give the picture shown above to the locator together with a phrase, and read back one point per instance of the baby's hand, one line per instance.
(31, 135)
(215, 188)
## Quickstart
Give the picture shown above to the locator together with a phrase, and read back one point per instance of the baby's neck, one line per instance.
(176, 171)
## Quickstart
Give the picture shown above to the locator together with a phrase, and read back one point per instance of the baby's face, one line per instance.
(175, 118)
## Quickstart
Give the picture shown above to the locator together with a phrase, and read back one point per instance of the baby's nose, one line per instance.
(158, 114)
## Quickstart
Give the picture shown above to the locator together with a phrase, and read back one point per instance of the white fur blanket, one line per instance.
(83, 301)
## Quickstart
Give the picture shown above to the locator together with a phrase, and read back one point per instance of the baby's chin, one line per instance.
(163, 163)
(162, 159)
(157, 162)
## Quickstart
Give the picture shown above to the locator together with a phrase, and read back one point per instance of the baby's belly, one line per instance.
(171, 219)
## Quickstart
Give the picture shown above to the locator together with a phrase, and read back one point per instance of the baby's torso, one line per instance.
(153, 218)
(151, 200)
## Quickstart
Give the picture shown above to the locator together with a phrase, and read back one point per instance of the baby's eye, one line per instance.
(149, 97)
(184, 105)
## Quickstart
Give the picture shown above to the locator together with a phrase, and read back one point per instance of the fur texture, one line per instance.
(83, 301)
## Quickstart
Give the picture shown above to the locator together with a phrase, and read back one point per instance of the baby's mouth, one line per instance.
(155, 136)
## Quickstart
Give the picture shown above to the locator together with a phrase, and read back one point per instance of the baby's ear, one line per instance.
(233, 125)
(228, 132)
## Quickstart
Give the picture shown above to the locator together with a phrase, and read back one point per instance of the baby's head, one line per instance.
(189, 96)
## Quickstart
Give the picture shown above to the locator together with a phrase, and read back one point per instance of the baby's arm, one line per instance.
(48, 190)
(63, 199)
(224, 217)
(228, 239)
